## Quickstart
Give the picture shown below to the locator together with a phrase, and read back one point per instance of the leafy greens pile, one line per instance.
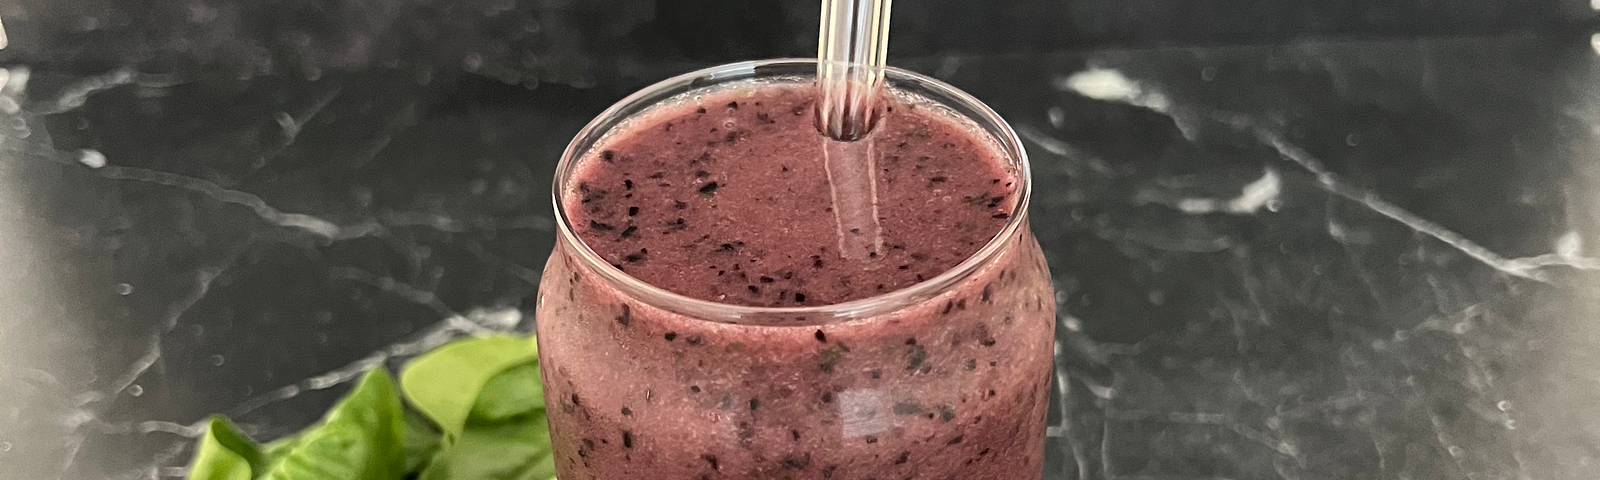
(476, 413)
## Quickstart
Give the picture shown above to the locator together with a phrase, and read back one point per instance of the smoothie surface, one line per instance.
(728, 199)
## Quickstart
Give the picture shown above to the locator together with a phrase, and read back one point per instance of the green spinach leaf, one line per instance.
(225, 454)
(421, 442)
(445, 384)
(360, 439)
(484, 394)
(512, 450)
(513, 392)
(505, 436)
(283, 445)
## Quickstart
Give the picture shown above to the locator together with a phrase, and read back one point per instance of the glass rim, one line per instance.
(943, 94)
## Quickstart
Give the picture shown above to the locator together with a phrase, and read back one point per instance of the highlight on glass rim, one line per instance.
(725, 240)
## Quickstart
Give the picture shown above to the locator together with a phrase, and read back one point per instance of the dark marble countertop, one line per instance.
(1308, 260)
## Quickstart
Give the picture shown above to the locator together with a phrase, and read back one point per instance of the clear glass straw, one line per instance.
(851, 48)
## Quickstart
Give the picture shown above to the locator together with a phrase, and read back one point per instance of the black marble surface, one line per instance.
(597, 41)
(1313, 259)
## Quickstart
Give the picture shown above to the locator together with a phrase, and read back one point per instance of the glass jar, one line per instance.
(946, 379)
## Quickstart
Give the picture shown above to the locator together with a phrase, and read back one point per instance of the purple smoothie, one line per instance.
(725, 198)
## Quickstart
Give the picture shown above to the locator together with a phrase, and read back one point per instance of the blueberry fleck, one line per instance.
(626, 317)
(915, 356)
(907, 408)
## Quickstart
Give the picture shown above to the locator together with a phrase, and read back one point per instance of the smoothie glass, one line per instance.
(946, 379)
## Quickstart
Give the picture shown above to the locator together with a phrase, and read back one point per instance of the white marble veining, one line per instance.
(1304, 261)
